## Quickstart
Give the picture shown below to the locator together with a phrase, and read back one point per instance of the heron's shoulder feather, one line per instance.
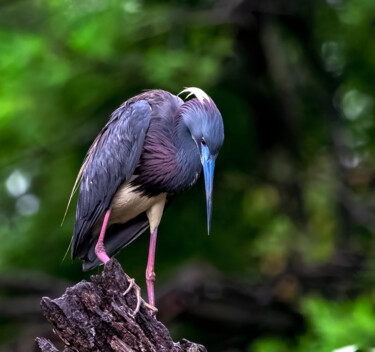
(110, 161)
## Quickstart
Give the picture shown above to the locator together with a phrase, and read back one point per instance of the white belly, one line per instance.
(127, 204)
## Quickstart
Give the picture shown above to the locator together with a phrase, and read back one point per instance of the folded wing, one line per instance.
(110, 162)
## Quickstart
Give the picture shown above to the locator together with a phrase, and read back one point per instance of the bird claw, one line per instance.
(153, 310)
(137, 291)
(131, 284)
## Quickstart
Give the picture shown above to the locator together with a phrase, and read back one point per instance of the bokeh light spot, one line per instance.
(27, 204)
(333, 57)
(17, 183)
(354, 103)
(132, 6)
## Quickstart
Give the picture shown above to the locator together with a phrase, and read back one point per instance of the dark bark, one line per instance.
(96, 316)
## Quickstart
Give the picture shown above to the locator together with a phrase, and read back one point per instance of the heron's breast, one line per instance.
(128, 203)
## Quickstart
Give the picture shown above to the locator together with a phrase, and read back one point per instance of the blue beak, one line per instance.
(208, 162)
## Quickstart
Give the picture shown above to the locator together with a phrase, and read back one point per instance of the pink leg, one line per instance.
(99, 248)
(150, 274)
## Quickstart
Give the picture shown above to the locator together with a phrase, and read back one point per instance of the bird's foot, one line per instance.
(153, 310)
(131, 284)
(137, 290)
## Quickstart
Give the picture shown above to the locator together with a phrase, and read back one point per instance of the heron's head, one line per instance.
(206, 127)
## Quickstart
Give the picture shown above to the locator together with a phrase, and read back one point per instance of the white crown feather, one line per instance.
(199, 93)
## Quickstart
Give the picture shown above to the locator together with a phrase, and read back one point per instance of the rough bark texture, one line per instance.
(96, 316)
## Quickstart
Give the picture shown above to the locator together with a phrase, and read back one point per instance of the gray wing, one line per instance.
(110, 162)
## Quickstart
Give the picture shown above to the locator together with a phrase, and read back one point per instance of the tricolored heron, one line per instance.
(153, 147)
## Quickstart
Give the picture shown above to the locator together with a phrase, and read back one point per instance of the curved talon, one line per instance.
(131, 284)
(137, 291)
(138, 295)
(153, 309)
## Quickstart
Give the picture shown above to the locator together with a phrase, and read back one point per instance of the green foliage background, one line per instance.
(294, 188)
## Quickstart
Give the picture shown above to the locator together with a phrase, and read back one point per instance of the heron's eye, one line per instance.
(203, 142)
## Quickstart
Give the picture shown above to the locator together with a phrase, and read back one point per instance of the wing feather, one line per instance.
(110, 161)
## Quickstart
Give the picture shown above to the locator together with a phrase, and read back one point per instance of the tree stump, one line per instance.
(97, 316)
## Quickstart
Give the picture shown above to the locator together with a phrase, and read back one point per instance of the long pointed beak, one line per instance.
(208, 162)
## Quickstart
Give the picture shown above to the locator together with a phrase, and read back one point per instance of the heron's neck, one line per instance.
(187, 156)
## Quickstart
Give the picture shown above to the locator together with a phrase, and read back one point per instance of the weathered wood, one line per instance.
(97, 316)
